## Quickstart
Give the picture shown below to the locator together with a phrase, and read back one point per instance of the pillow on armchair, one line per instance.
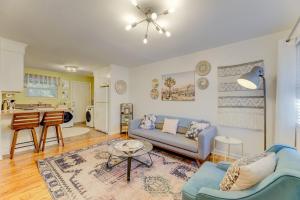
(148, 122)
(248, 171)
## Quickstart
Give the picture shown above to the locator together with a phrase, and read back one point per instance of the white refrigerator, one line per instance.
(101, 109)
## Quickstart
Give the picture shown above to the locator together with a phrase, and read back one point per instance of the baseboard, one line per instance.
(113, 133)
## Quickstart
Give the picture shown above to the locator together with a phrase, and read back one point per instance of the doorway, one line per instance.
(80, 99)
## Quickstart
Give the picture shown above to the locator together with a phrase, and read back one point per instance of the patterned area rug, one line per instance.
(82, 174)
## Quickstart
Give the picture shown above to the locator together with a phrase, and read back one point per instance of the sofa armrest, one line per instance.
(277, 147)
(205, 141)
(213, 194)
(134, 124)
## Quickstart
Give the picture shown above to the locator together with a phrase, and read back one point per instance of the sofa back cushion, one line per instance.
(183, 124)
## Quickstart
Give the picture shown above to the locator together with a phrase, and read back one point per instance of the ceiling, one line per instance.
(91, 34)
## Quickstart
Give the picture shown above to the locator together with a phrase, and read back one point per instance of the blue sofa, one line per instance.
(283, 184)
(178, 143)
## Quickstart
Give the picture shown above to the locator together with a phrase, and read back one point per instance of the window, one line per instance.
(41, 86)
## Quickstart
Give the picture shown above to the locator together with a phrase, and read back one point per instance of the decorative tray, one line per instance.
(129, 145)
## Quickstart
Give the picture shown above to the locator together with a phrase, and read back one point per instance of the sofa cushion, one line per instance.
(159, 125)
(208, 176)
(178, 140)
(180, 129)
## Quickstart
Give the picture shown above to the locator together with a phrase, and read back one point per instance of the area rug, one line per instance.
(75, 131)
(83, 174)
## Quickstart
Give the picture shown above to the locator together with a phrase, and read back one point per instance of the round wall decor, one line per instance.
(121, 86)
(155, 83)
(203, 68)
(154, 93)
(203, 83)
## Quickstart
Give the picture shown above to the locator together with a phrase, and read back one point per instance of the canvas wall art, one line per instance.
(178, 87)
(238, 106)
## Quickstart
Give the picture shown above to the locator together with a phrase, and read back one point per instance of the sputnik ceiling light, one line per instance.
(151, 19)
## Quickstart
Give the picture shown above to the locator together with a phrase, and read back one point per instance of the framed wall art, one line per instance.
(178, 87)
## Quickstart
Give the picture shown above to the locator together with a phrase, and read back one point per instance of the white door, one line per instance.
(81, 98)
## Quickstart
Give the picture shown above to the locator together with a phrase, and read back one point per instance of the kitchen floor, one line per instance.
(20, 178)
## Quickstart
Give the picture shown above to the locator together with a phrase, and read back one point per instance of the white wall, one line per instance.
(117, 73)
(205, 106)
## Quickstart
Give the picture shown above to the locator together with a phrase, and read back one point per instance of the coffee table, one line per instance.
(129, 155)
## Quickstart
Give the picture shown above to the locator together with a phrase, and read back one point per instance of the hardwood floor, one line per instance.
(20, 179)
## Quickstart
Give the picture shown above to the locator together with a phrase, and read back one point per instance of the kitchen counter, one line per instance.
(41, 110)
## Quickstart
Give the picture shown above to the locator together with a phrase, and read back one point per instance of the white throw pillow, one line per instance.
(248, 171)
(255, 172)
(170, 126)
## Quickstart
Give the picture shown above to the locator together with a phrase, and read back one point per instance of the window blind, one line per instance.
(41, 86)
(298, 85)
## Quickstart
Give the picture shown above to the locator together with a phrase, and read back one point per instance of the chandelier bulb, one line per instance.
(145, 41)
(171, 10)
(154, 16)
(168, 34)
(128, 27)
(134, 2)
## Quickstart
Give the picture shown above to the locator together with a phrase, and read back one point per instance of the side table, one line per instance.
(228, 141)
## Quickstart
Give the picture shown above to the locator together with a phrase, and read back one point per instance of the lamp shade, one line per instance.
(251, 79)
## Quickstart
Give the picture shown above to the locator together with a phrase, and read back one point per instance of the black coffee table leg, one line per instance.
(128, 168)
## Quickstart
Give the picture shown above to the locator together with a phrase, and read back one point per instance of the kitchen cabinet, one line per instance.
(11, 65)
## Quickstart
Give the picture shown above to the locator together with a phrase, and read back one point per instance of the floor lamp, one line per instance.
(251, 81)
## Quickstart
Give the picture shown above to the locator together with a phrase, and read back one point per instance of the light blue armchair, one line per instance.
(283, 184)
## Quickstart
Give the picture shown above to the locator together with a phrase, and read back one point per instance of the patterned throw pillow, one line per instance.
(148, 122)
(195, 129)
(248, 171)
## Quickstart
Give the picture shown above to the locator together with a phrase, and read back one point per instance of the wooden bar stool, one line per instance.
(23, 121)
(53, 118)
